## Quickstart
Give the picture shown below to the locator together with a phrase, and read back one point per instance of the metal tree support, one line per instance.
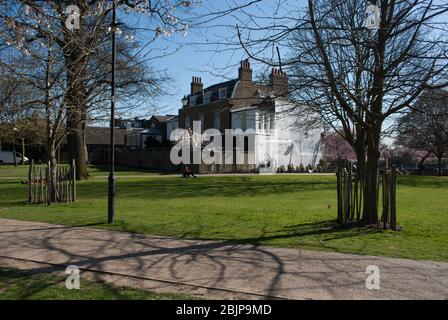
(39, 183)
(350, 195)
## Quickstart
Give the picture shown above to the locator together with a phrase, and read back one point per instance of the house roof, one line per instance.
(101, 136)
(163, 118)
(213, 90)
(216, 87)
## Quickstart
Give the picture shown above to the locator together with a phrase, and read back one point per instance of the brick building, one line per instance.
(244, 104)
(214, 105)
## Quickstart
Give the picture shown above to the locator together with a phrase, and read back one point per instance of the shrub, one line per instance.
(323, 165)
(290, 167)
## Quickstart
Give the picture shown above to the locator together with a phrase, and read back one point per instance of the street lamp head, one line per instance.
(184, 101)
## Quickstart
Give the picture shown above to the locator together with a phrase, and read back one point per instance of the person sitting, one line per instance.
(187, 172)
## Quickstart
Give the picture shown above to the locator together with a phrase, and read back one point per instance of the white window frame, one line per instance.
(260, 121)
(225, 93)
(207, 97)
(202, 120)
(217, 120)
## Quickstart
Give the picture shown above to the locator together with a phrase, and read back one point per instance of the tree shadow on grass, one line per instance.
(233, 188)
(433, 182)
(27, 283)
(327, 228)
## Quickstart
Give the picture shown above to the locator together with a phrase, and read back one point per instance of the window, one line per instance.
(192, 101)
(217, 120)
(260, 121)
(222, 93)
(272, 121)
(244, 122)
(260, 94)
(207, 97)
(187, 121)
(202, 120)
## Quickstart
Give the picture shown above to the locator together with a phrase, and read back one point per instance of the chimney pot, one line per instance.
(279, 82)
(245, 72)
(196, 85)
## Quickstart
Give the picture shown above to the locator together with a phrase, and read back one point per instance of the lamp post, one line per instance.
(184, 101)
(14, 146)
(111, 191)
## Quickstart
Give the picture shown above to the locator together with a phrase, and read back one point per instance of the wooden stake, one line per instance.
(73, 177)
(30, 182)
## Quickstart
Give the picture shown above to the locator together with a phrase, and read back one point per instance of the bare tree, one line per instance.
(80, 33)
(355, 77)
(425, 127)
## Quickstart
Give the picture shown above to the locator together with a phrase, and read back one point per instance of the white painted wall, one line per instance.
(292, 143)
(171, 125)
(297, 145)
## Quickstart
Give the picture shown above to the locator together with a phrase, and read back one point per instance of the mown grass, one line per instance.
(21, 171)
(282, 210)
(25, 285)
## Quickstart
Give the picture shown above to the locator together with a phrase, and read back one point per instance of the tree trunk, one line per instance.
(75, 143)
(420, 164)
(53, 182)
(23, 151)
(76, 115)
(75, 61)
(439, 164)
(360, 174)
(370, 212)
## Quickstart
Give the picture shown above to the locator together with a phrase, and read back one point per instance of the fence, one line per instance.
(40, 190)
(350, 195)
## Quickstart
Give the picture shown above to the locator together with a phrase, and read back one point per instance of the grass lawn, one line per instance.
(22, 285)
(9, 171)
(280, 210)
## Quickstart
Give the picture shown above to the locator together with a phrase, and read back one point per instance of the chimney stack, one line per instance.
(245, 72)
(279, 82)
(196, 85)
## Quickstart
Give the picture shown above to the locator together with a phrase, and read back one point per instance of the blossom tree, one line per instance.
(80, 32)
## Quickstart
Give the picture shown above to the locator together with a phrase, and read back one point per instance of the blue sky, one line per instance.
(197, 53)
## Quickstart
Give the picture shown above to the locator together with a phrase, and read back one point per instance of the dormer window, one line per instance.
(222, 93)
(192, 101)
(207, 97)
(260, 94)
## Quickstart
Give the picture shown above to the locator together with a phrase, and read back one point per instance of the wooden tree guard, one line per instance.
(40, 186)
(350, 195)
(389, 187)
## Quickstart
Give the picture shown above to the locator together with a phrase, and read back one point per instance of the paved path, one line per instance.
(203, 267)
